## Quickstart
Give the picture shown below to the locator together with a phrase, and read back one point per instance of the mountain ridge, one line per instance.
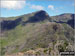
(40, 16)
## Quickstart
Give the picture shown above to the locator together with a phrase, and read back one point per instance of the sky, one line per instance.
(11, 8)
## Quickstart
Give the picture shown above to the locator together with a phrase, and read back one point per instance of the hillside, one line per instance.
(65, 18)
(35, 30)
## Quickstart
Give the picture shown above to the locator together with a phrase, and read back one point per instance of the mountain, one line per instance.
(35, 30)
(24, 19)
(65, 18)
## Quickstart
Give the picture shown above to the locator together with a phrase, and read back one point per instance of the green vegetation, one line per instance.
(45, 50)
(63, 47)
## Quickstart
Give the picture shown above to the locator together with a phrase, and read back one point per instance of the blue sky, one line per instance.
(10, 8)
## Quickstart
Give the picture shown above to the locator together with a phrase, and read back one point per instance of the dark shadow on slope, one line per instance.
(10, 24)
(60, 22)
(71, 22)
(39, 16)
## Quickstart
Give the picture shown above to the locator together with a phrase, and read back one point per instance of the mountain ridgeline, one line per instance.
(32, 31)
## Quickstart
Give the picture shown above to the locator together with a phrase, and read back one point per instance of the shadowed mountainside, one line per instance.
(38, 16)
(65, 18)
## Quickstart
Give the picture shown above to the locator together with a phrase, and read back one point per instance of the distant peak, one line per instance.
(65, 14)
(42, 13)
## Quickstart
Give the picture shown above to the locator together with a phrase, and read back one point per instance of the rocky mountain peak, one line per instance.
(41, 13)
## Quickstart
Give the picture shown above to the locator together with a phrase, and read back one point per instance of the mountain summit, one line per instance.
(42, 13)
(38, 16)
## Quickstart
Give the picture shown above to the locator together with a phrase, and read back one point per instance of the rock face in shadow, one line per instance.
(71, 21)
(10, 24)
(38, 16)
(64, 18)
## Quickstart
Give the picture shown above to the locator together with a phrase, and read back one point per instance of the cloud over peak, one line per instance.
(38, 7)
(51, 7)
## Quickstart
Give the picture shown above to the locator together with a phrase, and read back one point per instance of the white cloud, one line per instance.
(38, 7)
(51, 7)
(12, 4)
